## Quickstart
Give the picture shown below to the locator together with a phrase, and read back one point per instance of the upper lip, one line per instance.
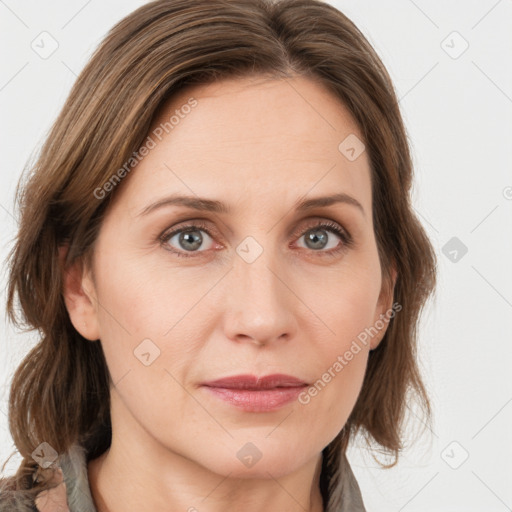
(253, 382)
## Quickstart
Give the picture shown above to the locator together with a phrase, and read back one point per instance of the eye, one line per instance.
(189, 239)
(319, 237)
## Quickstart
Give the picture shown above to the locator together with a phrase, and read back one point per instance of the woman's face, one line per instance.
(257, 286)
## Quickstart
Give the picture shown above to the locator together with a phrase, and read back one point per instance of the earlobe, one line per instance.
(79, 296)
(384, 309)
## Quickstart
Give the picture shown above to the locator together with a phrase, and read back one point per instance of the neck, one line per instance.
(138, 473)
(114, 490)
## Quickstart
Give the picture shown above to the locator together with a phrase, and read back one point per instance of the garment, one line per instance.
(345, 496)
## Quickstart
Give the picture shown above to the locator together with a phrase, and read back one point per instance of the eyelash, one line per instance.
(347, 241)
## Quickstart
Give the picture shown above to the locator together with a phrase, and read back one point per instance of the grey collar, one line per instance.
(74, 467)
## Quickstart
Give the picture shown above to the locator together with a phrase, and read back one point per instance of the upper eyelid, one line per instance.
(183, 224)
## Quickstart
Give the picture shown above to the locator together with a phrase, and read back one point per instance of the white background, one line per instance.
(458, 113)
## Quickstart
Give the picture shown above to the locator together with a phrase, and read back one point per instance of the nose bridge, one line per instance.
(260, 305)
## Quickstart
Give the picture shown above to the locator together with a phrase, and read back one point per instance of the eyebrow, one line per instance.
(211, 205)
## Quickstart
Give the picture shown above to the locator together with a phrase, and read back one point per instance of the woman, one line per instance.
(232, 373)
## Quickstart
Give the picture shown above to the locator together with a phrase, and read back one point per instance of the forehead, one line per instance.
(255, 138)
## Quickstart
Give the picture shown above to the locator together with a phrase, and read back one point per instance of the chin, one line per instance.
(250, 462)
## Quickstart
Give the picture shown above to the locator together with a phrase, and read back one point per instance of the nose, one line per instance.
(260, 307)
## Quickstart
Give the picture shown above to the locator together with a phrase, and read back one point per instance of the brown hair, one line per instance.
(60, 392)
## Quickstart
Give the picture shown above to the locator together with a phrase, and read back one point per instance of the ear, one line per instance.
(80, 296)
(384, 311)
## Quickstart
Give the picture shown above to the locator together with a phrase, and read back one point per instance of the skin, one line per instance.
(258, 145)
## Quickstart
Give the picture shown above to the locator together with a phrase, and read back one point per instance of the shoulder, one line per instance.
(73, 491)
(12, 500)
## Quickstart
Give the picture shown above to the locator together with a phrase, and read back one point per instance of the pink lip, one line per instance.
(253, 394)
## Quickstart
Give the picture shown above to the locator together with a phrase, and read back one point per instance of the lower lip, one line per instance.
(257, 401)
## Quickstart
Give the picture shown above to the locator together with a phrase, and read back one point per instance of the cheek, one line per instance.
(147, 295)
(145, 318)
(344, 303)
(347, 306)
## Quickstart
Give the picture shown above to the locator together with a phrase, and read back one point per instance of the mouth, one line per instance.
(252, 382)
(256, 394)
